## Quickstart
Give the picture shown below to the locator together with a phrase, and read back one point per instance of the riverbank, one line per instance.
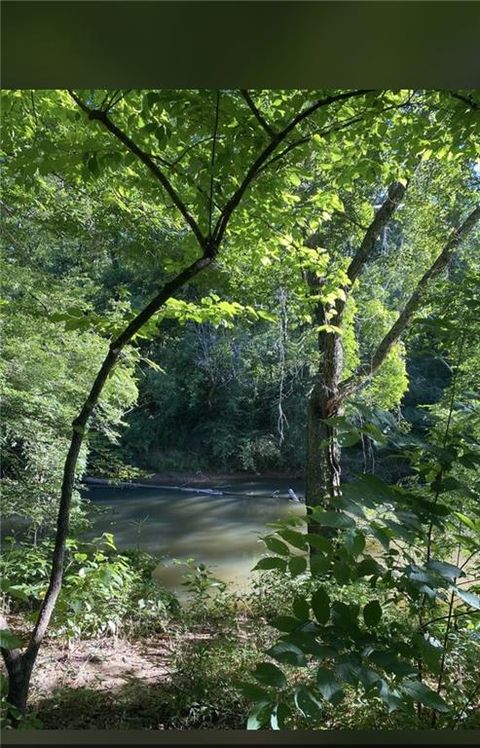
(194, 479)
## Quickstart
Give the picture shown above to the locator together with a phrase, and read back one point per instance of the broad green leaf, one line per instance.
(297, 565)
(301, 608)
(319, 564)
(270, 562)
(307, 703)
(345, 616)
(390, 663)
(372, 613)
(297, 539)
(287, 653)
(368, 567)
(468, 597)
(308, 644)
(430, 652)
(285, 623)
(370, 487)
(321, 606)
(327, 683)
(276, 546)
(419, 692)
(347, 669)
(270, 675)
(354, 542)
(9, 640)
(253, 692)
(319, 542)
(341, 572)
(259, 715)
(332, 519)
(279, 714)
(447, 571)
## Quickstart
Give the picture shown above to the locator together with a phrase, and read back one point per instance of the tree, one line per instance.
(330, 393)
(208, 230)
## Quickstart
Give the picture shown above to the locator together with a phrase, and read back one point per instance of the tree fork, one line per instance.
(20, 664)
(323, 472)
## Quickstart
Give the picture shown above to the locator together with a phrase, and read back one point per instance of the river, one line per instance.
(221, 531)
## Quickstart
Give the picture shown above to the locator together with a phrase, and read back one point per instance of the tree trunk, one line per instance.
(323, 450)
(19, 668)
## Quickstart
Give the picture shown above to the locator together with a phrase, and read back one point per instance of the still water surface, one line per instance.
(222, 531)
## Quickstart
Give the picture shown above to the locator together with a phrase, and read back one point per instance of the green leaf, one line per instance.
(319, 542)
(430, 651)
(370, 487)
(270, 675)
(327, 683)
(341, 572)
(252, 691)
(319, 565)
(259, 715)
(307, 703)
(308, 644)
(287, 653)
(468, 597)
(285, 623)
(345, 616)
(9, 640)
(297, 539)
(279, 714)
(301, 608)
(421, 693)
(368, 567)
(390, 663)
(276, 546)
(332, 519)
(297, 565)
(348, 669)
(354, 542)
(447, 571)
(321, 606)
(372, 613)
(271, 562)
(348, 438)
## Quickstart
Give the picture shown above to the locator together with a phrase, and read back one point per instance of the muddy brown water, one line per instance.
(221, 531)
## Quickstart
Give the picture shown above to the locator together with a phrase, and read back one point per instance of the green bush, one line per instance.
(104, 592)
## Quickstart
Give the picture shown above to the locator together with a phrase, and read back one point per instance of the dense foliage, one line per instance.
(235, 281)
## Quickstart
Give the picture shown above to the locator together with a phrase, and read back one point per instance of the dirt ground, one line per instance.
(100, 664)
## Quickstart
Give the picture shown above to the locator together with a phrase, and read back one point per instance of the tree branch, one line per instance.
(254, 169)
(382, 217)
(212, 165)
(256, 113)
(465, 99)
(79, 428)
(366, 371)
(101, 116)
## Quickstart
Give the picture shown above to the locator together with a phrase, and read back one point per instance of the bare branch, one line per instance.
(256, 113)
(366, 371)
(100, 116)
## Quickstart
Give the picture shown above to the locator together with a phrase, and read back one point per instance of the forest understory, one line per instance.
(214, 286)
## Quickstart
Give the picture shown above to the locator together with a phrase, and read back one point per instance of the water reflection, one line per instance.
(220, 531)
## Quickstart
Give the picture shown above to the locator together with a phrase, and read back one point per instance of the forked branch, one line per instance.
(365, 372)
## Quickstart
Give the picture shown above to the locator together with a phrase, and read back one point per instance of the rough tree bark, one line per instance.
(20, 663)
(323, 451)
(329, 393)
